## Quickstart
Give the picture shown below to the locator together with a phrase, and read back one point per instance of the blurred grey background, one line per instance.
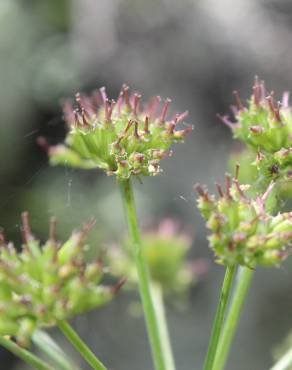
(195, 52)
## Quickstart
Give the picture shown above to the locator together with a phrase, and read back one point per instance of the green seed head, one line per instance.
(42, 284)
(165, 251)
(121, 137)
(242, 231)
(265, 126)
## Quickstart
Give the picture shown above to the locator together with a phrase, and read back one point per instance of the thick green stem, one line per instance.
(48, 346)
(244, 279)
(157, 295)
(219, 317)
(81, 347)
(285, 362)
(143, 276)
(24, 355)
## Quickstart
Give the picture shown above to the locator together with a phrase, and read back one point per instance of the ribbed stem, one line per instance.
(219, 317)
(157, 295)
(143, 277)
(244, 279)
(24, 355)
(81, 347)
(285, 362)
(49, 347)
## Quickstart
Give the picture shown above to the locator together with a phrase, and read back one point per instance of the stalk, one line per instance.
(81, 347)
(219, 317)
(285, 361)
(24, 355)
(48, 346)
(143, 277)
(244, 279)
(157, 295)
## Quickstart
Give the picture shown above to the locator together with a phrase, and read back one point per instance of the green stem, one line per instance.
(48, 346)
(81, 347)
(143, 277)
(157, 295)
(244, 279)
(285, 362)
(219, 317)
(24, 355)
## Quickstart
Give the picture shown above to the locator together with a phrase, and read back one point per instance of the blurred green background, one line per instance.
(195, 52)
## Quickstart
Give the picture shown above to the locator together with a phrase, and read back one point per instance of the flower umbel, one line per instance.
(120, 137)
(265, 126)
(43, 284)
(166, 251)
(243, 232)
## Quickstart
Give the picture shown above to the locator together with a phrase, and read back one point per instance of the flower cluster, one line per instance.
(120, 137)
(243, 232)
(43, 284)
(250, 174)
(266, 127)
(165, 251)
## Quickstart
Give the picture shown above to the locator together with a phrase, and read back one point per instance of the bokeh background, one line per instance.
(195, 52)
